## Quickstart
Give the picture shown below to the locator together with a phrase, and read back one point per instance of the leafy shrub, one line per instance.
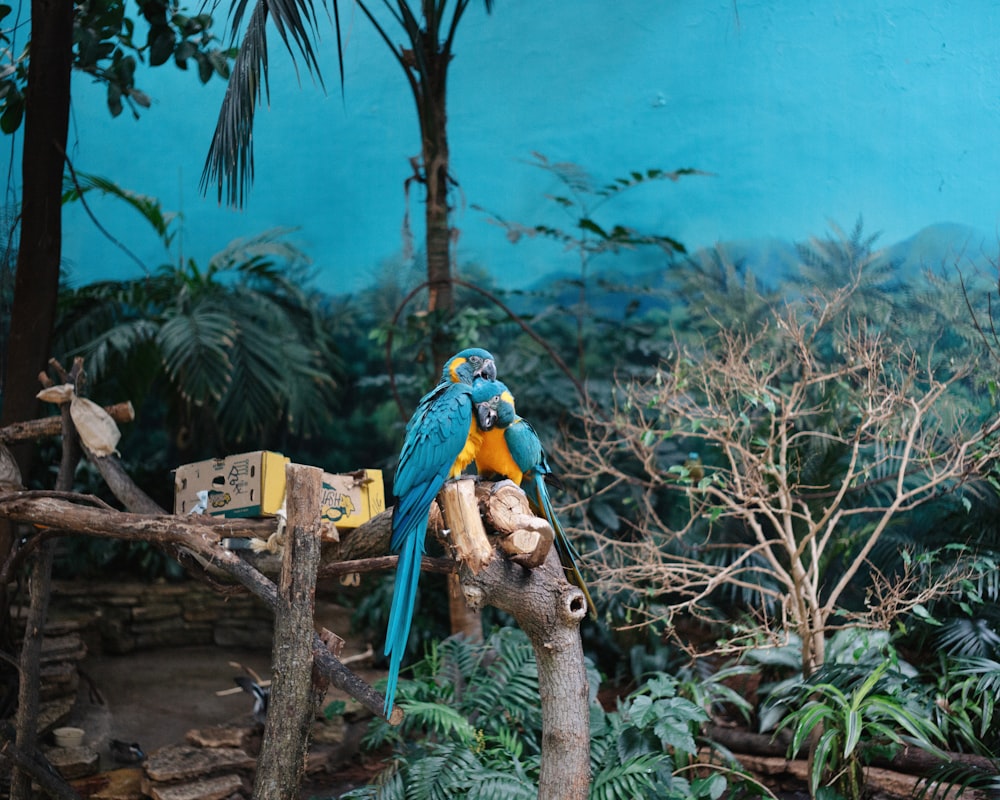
(855, 713)
(473, 729)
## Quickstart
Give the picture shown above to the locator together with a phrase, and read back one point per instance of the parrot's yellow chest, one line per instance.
(473, 442)
(494, 457)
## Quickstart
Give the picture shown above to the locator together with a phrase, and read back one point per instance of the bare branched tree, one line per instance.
(765, 467)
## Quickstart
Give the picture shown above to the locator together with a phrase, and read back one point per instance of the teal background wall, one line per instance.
(803, 113)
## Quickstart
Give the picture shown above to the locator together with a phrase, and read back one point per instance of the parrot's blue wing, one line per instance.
(435, 437)
(526, 450)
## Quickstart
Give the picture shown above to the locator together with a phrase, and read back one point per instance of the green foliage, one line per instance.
(953, 778)
(588, 237)
(237, 350)
(106, 47)
(960, 693)
(582, 200)
(473, 729)
(849, 715)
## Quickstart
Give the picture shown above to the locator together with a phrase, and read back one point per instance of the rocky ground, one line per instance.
(154, 665)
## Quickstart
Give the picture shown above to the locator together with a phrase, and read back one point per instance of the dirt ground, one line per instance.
(155, 697)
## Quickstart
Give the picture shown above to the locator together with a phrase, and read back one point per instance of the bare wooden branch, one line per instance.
(467, 536)
(526, 538)
(39, 587)
(122, 486)
(750, 402)
(292, 704)
(38, 508)
(200, 535)
(51, 426)
(549, 611)
(338, 569)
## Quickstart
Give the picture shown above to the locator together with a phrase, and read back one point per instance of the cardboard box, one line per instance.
(243, 485)
(352, 498)
(253, 485)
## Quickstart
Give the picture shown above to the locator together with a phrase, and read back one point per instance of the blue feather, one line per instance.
(436, 438)
(525, 452)
(404, 597)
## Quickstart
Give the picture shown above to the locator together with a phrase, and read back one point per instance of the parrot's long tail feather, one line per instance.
(538, 496)
(404, 596)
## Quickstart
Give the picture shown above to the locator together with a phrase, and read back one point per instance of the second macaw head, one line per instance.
(466, 366)
(494, 404)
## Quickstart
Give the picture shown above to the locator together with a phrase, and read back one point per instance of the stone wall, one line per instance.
(125, 617)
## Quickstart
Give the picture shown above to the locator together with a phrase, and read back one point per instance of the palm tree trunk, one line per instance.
(431, 105)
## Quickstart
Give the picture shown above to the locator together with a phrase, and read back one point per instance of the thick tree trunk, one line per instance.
(435, 156)
(549, 610)
(292, 704)
(36, 285)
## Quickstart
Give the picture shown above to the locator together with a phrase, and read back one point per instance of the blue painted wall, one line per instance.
(804, 113)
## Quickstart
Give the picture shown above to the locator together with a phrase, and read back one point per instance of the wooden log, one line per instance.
(176, 763)
(549, 611)
(291, 708)
(215, 788)
(467, 536)
(525, 537)
(52, 426)
(198, 534)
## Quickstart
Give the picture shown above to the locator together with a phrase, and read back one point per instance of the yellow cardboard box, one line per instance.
(243, 485)
(253, 485)
(352, 498)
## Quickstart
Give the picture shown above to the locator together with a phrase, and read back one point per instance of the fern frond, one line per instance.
(636, 777)
(441, 720)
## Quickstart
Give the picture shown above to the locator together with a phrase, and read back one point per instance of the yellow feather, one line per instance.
(473, 442)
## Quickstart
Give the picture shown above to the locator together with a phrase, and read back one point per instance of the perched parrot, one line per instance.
(511, 448)
(441, 440)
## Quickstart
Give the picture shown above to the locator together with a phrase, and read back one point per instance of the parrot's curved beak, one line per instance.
(488, 370)
(486, 415)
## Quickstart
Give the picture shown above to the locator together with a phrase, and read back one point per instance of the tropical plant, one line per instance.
(97, 38)
(429, 29)
(580, 200)
(816, 437)
(964, 703)
(473, 729)
(238, 350)
(106, 48)
(852, 714)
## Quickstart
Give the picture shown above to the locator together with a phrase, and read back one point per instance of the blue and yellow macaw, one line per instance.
(442, 438)
(510, 447)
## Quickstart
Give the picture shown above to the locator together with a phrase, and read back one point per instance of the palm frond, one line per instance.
(971, 638)
(502, 785)
(509, 684)
(148, 207)
(229, 165)
(444, 721)
(115, 345)
(195, 351)
(448, 772)
(943, 781)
